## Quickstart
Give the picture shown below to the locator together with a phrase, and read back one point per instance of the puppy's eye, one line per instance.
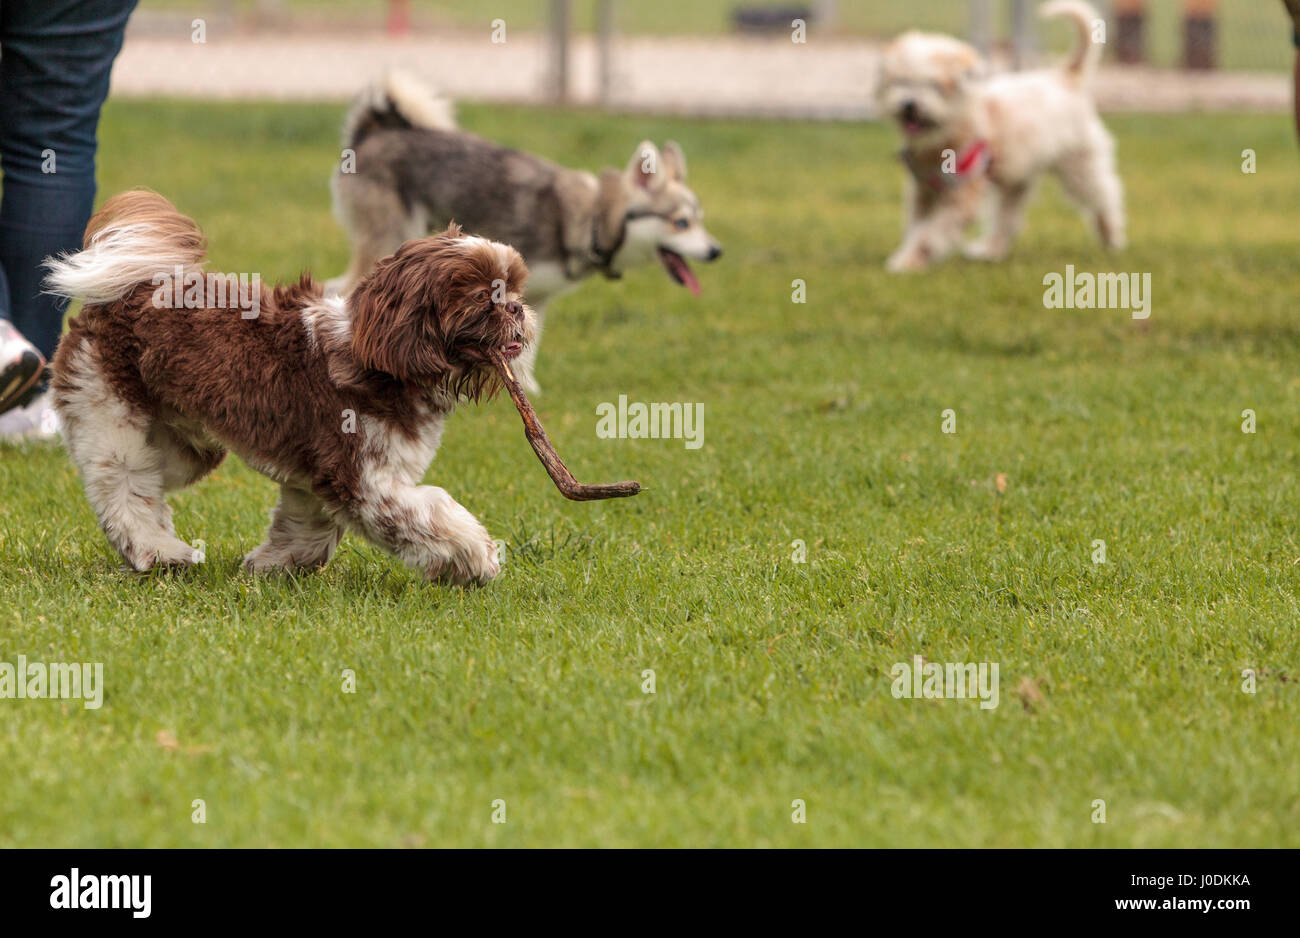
(681, 224)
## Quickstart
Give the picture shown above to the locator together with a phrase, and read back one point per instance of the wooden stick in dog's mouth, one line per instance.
(564, 481)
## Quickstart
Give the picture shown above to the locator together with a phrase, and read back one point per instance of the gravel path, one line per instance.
(717, 76)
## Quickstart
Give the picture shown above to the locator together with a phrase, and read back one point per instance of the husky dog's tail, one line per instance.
(134, 238)
(1083, 58)
(399, 101)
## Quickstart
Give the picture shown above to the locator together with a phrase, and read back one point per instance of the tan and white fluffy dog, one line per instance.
(974, 143)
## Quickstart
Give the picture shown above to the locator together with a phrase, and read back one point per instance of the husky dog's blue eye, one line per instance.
(681, 224)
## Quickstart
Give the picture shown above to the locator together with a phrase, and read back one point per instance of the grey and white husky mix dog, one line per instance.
(411, 171)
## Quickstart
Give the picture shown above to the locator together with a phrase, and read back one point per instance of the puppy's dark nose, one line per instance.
(909, 111)
(715, 252)
(516, 309)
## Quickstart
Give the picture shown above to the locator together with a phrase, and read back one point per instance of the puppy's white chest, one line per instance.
(398, 455)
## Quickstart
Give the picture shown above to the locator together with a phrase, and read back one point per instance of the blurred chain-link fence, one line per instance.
(1243, 34)
(799, 58)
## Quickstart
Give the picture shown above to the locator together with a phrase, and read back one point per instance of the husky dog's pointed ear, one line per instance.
(674, 161)
(645, 169)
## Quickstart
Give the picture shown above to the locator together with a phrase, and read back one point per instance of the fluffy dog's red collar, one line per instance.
(971, 162)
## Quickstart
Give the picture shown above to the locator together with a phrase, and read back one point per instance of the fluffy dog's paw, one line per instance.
(905, 261)
(476, 564)
(174, 556)
(269, 559)
(263, 559)
(983, 250)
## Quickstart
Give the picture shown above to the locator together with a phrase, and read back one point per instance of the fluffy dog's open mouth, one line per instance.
(679, 270)
(511, 350)
(916, 125)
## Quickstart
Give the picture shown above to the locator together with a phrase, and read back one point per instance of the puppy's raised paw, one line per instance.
(984, 250)
(476, 565)
(905, 260)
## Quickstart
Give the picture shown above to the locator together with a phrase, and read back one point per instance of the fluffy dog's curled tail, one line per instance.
(1083, 58)
(137, 236)
(400, 101)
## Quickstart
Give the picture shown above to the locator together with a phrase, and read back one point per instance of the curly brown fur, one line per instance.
(340, 401)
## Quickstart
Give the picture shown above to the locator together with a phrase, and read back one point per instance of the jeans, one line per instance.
(55, 59)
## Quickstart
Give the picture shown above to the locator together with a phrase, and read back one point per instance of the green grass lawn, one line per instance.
(1119, 681)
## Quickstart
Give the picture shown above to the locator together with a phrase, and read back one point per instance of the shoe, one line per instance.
(20, 367)
(37, 421)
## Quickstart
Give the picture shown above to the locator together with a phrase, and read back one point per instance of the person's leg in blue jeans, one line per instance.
(55, 60)
(1293, 7)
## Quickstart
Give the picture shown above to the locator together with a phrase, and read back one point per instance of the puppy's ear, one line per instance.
(967, 65)
(395, 311)
(674, 161)
(645, 169)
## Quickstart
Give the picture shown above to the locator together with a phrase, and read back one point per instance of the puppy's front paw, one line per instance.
(905, 260)
(984, 250)
(267, 559)
(475, 564)
(171, 554)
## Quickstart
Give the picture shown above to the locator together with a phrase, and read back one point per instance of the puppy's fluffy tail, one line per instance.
(399, 101)
(1086, 53)
(136, 237)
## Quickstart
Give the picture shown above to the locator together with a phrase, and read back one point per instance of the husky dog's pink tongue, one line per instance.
(679, 270)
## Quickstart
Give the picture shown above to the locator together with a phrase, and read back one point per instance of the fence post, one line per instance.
(559, 51)
(1022, 34)
(981, 26)
(605, 50)
(1130, 31)
(399, 17)
(1200, 34)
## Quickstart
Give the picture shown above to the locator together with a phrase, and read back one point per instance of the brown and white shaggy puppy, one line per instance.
(340, 401)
